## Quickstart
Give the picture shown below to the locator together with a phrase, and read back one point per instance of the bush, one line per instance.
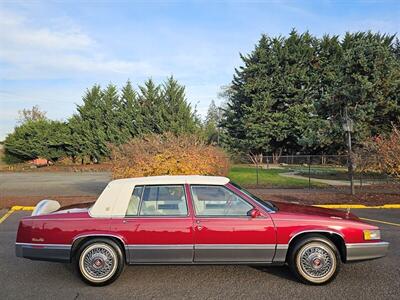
(382, 154)
(389, 153)
(168, 154)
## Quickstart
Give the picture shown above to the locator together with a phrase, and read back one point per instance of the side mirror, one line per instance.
(254, 213)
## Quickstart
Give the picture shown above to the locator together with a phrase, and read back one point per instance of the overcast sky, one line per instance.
(51, 51)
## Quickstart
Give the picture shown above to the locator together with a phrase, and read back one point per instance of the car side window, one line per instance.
(133, 205)
(218, 201)
(164, 200)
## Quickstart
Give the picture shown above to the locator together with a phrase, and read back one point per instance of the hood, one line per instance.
(286, 207)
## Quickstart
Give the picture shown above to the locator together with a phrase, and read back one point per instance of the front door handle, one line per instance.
(199, 227)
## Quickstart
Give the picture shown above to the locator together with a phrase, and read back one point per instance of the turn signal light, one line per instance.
(372, 235)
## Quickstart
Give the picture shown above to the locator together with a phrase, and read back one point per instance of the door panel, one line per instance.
(158, 228)
(224, 233)
(234, 240)
(158, 239)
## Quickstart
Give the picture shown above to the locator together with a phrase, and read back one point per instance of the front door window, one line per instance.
(218, 201)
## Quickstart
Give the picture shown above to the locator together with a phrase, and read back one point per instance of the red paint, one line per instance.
(269, 228)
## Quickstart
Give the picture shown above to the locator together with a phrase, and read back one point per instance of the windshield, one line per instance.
(266, 204)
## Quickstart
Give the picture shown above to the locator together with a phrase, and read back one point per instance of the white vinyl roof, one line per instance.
(175, 179)
(114, 199)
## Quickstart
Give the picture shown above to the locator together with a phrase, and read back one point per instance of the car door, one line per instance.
(158, 226)
(224, 231)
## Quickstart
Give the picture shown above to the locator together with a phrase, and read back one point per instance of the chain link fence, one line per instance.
(323, 172)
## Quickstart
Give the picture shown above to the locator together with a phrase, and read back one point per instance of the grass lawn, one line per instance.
(246, 175)
(332, 173)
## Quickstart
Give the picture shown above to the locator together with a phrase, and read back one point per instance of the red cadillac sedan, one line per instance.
(194, 220)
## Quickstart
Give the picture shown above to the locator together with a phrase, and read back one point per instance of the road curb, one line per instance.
(347, 206)
(18, 207)
(15, 208)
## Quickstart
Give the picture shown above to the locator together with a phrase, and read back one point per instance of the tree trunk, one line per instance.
(276, 156)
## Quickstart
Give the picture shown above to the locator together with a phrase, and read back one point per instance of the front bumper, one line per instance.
(362, 251)
(48, 252)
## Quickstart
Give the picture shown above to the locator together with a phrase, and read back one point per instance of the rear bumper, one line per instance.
(47, 252)
(362, 251)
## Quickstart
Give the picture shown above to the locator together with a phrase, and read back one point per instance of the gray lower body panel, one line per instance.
(205, 253)
(280, 253)
(160, 253)
(57, 253)
(363, 251)
(234, 253)
(170, 254)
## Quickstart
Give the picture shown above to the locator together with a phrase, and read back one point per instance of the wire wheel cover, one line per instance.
(98, 262)
(316, 262)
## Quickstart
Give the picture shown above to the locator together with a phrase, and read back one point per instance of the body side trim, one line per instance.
(365, 245)
(98, 234)
(221, 263)
(206, 246)
(235, 246)
(44, 245)
(316, 231)
(158, 247)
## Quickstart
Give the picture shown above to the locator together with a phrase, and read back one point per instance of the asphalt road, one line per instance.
(86, 184)
(53, 183)
(376, 279)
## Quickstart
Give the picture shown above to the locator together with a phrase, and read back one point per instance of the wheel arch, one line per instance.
(79, 240)
(336, 238)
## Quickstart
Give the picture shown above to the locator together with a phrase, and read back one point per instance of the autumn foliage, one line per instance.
(384, 154)
(168, 154)
(389, 152)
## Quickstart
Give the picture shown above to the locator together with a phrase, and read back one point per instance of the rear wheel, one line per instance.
(314, 260)
(99, 261)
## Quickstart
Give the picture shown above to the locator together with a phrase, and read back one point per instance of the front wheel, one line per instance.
(314, 260)
(99, 261)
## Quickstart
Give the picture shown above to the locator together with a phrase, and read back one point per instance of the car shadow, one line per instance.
(278, 271)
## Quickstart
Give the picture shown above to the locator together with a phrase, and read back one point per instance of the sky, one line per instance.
(52, 51)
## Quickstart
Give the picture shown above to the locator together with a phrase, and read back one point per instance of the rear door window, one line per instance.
(163, 200)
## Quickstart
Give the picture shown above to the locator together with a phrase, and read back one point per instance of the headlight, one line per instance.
(372, 235)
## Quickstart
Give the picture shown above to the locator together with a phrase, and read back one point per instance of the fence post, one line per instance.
(309, 173)
(257, 173)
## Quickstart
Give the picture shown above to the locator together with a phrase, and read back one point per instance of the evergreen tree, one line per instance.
(178, 114)
(290, 93)
(152, 108)
(369, 84)
(88, 135)
(210, 127)
(106, 117)
(38, 138)
(130, 111)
